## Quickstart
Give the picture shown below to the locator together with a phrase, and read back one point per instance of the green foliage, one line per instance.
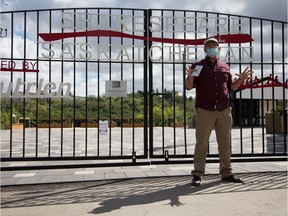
(5, 113)
(4, 117)
(165, 109)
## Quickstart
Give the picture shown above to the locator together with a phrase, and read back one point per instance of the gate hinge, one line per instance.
(134, 157)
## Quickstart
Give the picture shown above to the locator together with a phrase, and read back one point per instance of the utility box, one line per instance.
(278, 126)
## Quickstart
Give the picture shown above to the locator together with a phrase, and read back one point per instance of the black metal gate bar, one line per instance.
(37, 86)
(262, 90)
(285, 76)
(11, 79)
(24, 78)
(86, 90)
(62, 101)
(146, 68)
(251, 93)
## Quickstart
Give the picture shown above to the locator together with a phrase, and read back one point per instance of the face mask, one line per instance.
(212, 52)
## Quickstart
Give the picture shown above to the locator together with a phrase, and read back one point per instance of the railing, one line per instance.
(56, 64)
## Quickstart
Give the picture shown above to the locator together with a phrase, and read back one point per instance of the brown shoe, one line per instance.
(196, 180)
(232, 178)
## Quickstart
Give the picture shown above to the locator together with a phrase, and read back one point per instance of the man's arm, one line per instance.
(189, 82)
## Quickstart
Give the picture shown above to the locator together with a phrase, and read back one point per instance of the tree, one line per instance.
(80, 108)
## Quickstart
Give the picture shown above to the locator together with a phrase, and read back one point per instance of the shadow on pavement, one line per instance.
(115, 194)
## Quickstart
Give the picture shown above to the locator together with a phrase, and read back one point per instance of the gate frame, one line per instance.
(148, 157)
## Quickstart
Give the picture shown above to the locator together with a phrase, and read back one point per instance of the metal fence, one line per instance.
(107, 84)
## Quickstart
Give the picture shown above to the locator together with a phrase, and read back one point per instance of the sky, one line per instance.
(276, 10)
(266, 9)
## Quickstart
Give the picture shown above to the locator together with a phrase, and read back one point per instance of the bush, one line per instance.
(5, 121)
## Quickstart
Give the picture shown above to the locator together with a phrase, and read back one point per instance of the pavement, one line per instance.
(142, 190)
(48, 176)
(86, 142)
(145, 191)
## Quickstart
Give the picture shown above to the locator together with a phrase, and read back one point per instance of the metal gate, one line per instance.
(106, 85)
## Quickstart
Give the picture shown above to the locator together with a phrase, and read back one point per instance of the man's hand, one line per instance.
(241, 77)
(245, 74)
(189, 71)
(189, 82)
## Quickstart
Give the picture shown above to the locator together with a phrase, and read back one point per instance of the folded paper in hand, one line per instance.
(198, 68)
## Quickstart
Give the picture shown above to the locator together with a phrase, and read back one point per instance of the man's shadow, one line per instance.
(151, 196)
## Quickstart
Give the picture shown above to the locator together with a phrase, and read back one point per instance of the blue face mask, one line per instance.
(212, 52)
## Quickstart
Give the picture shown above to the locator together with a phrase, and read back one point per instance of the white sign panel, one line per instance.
(116, 88)
(103, 127)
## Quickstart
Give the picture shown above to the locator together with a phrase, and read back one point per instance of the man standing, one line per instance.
(213, 109)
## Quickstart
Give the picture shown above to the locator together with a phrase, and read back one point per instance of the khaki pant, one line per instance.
(221, 121)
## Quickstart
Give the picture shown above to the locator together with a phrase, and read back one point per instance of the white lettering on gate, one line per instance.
(23, 90)
(133, 53)
(202, 25)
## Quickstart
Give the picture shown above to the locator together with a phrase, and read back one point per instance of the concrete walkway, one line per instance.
(145, 191)
(47, 176)
(264, 193)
